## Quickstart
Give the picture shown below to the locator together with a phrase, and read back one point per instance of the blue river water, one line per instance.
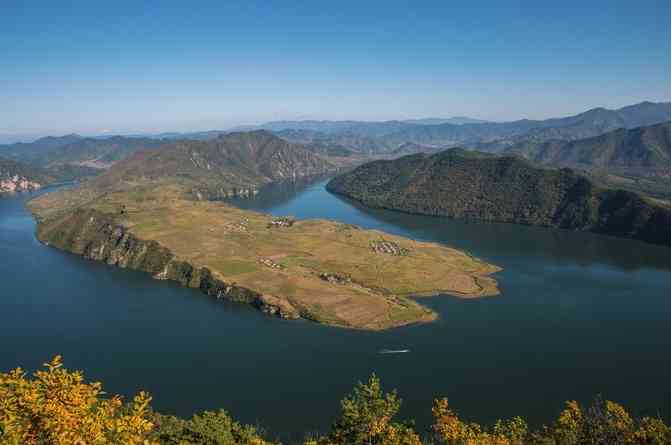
(579, 315)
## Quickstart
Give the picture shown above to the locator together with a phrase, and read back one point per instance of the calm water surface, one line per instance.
(579, 315)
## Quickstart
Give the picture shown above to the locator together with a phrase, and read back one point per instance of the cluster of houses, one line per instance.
(335, 278)
(270, 263)
(388, 248)
(281, 222)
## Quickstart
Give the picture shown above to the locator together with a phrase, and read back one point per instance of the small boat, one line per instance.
(394, 351)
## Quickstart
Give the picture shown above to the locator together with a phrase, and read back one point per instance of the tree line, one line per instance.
(56, 406)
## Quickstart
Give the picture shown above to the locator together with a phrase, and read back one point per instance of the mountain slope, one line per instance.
(471, 185)
(218, 167)
(639, 148)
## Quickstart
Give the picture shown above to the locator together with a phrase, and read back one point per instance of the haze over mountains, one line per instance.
(597, 138)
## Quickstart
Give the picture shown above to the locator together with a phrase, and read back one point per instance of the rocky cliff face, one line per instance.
(18, 183)
(97, 236)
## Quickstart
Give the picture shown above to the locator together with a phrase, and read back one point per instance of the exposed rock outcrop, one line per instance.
(18, 183)
(97, 236)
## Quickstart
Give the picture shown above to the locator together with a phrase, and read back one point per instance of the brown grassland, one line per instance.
(287, 262)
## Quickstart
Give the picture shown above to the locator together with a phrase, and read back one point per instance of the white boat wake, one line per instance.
(393, 351)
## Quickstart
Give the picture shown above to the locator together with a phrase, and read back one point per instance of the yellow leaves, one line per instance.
(55, 363)
(58, 407)
(447, 426)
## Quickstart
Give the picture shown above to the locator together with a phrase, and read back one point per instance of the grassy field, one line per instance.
(288, 262)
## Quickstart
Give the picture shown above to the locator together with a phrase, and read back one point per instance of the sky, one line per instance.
(98, 67)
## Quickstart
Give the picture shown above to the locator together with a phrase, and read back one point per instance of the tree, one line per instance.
(58, 407)
(207, 428)
(366, 419)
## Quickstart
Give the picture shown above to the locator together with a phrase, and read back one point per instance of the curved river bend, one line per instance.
(579, 315)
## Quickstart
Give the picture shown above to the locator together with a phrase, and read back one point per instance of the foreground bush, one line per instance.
(604, 423)
(57, 407)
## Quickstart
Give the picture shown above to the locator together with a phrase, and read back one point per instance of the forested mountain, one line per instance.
(642, 148)
(461, 184)
(218, 167)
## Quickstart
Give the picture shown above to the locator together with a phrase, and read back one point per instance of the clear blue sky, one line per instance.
(134, 66)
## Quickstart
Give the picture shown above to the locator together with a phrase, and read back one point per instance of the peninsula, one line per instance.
(153, 212)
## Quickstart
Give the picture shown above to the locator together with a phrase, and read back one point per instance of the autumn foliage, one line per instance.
(57, 407)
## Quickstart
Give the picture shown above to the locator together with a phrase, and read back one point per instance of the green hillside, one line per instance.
(470, 185)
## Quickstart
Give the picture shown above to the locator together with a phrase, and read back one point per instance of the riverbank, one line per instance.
(328, 272)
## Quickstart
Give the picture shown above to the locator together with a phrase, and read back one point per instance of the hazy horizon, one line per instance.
(124, 68)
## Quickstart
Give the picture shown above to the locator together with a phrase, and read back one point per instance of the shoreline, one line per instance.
(101, 236)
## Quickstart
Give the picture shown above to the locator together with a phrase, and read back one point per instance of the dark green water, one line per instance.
(579, 315)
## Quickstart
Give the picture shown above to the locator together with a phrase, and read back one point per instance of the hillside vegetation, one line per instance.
(236, 163)
(460, 184)
(59, 407)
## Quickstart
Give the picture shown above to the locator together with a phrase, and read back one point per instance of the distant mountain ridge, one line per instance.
(362, 137)
(647, 147)
(461, 184)
(589, 123)
(74, 149)
(361, 128)
(456, 120)
(28, 150)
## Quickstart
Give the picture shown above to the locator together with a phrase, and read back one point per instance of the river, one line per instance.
(579, 315)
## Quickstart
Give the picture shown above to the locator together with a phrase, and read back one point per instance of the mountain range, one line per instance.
(557, 141)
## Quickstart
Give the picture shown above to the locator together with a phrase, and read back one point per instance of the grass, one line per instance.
(231, 242)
